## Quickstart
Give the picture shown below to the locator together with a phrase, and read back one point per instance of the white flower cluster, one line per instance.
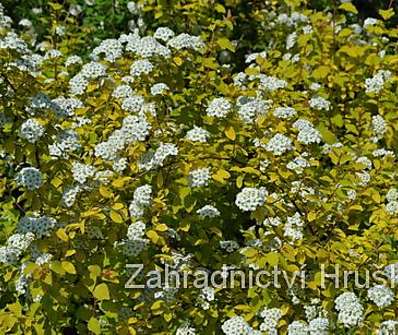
(186, 41)
(72, 60)
(111, 48)
(376, 83)
(208, 211)
(122, 91)
(279, 144)
(16, 245)
(197, 134)
(140, 67)
(155, 159)
(134, 128)
(65, 106)
(381, 295)
(89, 71)
(253, 56)
(319, 326)
(159, 89)
(349, 308)
(31, 130)
(40, 226)
(293, 20)
(30, 177)
(69, 195)
(307, 133)
(219, 107)
(136, 230)
(297, 328)
(293, 227)
(285, 112)
(391, 271)
(389, 327)
(82, 172)
(133, 103)
(66, 142)
(142, 199)
(250, 198)
(238, 326)
(298, 164)
(144, 47)
(319, 103)
(270, 83)
(392, 201)
(200, 177)
(229, 246)
(164, 34)
(378, 126)
(250, 108)
(271, 317)
(186, 329)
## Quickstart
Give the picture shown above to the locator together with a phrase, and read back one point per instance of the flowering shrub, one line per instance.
(151, 152)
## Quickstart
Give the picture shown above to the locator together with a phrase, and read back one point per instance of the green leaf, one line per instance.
(348, 7)
(219, 8)
(225, 43)
(94, 325)
(230, 133)
(116, 217)
(101, 292)
(386, 14)
(69, 267)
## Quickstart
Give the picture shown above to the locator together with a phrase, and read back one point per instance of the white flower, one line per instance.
(30, 178)
(285, 112)
(378, 126)
(349, 308)
(200, 177)
(271, 317)
(141, 66)
(197, 134)
(370, 21)
(136, 230)
(319, 103)
(381, 295)
(250, 198)
(81, 172)
(159, 89)
(279, 144)
(208, 211)
(219, 107)
(297, 328)
(31, 130)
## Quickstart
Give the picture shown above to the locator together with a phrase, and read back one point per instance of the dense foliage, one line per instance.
(203, 136)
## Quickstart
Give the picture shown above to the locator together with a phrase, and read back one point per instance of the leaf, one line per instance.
(348, 7)
(94, 325)
(386, 14)
(104, 191)
(221, 175)
(311, 216)
(272, 258)
(219, 8)
(68, 267)
(101, 292)
(225, 43)
(152, 235)
(230, 133)
(62, 235)
(116, 217)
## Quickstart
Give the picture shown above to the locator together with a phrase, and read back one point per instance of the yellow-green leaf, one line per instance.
(116, 217)
(68, 267)
(94, 326)
(101, 292)
(230, 133)
(349, 7)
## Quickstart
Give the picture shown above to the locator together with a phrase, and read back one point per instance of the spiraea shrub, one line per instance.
(149, 151)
